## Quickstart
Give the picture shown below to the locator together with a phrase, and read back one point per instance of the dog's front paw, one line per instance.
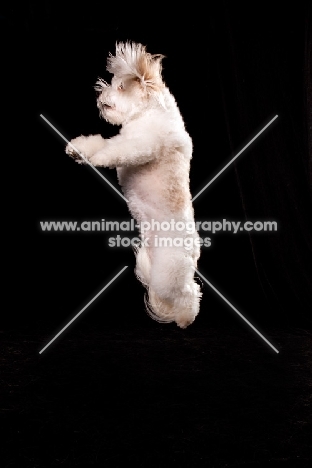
(83, 148)
(76, 149)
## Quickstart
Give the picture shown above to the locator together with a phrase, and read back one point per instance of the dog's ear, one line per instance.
(132, 61)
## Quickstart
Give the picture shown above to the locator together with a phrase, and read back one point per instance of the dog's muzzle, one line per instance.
(103, 105)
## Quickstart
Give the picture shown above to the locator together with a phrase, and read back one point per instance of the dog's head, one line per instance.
(136, 84)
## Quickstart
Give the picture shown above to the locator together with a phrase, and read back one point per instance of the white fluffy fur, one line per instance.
(152, 154)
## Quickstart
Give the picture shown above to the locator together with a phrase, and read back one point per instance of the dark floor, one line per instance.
(156, 397)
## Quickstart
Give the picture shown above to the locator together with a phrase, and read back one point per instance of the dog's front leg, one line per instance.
(85, 146)
(119, 151)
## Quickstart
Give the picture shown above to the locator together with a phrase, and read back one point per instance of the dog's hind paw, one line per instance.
(184, 322)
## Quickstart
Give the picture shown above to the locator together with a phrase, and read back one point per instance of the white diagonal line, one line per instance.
(82, 156)
(235, 157)
(82, 310)
(235, 310)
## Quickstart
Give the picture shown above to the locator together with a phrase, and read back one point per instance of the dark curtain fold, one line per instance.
(263, 72)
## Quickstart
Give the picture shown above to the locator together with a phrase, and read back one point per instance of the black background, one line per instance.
(232, 67)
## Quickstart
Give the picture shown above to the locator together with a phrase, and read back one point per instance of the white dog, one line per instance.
(152, 154)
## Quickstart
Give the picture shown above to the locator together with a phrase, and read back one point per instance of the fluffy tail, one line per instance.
(172, 293)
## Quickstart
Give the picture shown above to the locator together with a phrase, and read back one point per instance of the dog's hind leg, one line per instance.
(173, 295)
(143, 264)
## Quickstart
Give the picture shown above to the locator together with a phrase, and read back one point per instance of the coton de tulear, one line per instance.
(152, 154)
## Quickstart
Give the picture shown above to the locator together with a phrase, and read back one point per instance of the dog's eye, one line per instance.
(121, 87)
